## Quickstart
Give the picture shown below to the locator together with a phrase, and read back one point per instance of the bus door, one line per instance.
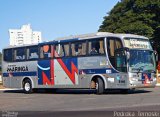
(121, 56)
(121, 64)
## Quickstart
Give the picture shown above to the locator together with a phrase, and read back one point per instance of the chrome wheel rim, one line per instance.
(27, 86)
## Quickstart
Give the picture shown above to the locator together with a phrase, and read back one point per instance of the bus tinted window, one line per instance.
(111, 47)
(46, 51)
(8, 55)
(32, 52)
(62, 50)
(59, 51)
(113, 44)
(78, 48)
(118, 44)
(96, 47)
(66, 49)
(19, 54)
(73, 50)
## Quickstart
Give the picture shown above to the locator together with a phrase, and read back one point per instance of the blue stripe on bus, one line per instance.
(20, 74)
(98, 71)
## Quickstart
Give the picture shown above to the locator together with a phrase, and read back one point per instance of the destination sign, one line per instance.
(135, 43)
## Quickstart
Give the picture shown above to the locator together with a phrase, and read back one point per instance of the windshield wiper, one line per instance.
(139, 69)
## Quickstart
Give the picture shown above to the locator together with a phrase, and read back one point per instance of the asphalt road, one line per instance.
(69, 103)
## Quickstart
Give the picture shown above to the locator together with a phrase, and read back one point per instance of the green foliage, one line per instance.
(140, 17)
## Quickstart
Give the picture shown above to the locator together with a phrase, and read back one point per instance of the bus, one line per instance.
(96, 61)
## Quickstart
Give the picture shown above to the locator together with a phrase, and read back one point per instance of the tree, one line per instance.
(140, 17)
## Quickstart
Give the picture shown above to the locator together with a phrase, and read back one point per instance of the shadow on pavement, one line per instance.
(80, 91)
(60, 114)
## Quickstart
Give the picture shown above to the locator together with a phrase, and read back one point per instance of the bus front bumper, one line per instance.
(143, 84)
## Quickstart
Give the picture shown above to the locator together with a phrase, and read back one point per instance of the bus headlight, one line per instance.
(154, 79)
(133, 79)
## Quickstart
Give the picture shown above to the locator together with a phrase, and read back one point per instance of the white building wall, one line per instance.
(37, 37)
(23, 36)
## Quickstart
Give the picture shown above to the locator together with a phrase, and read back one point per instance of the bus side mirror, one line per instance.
(156, 56)
(128, 55)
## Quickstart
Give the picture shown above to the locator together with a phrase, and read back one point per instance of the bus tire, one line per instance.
(27, 86)
(100, 86)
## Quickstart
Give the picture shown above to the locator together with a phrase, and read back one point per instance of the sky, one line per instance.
(54, 18)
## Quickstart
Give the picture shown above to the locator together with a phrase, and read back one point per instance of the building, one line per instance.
(25, 35)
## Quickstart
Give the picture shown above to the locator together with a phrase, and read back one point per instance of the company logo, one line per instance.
(14, 68)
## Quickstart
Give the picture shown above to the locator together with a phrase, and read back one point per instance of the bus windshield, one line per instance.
(141, 61)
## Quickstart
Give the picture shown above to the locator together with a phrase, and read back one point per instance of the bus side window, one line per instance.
(32, 52)
(73, 51)
(96, 47)
(118, 44)
(113, 44)
(66, 49)
(78, 48)
(62, 50)
(101, 45)
(84, 47)
(46, 51)
(59, 50)
(19, 54)
(8, 55)
(110, 47)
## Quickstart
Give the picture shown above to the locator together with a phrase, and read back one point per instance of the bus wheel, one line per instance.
(99, 86)
(27, 86)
